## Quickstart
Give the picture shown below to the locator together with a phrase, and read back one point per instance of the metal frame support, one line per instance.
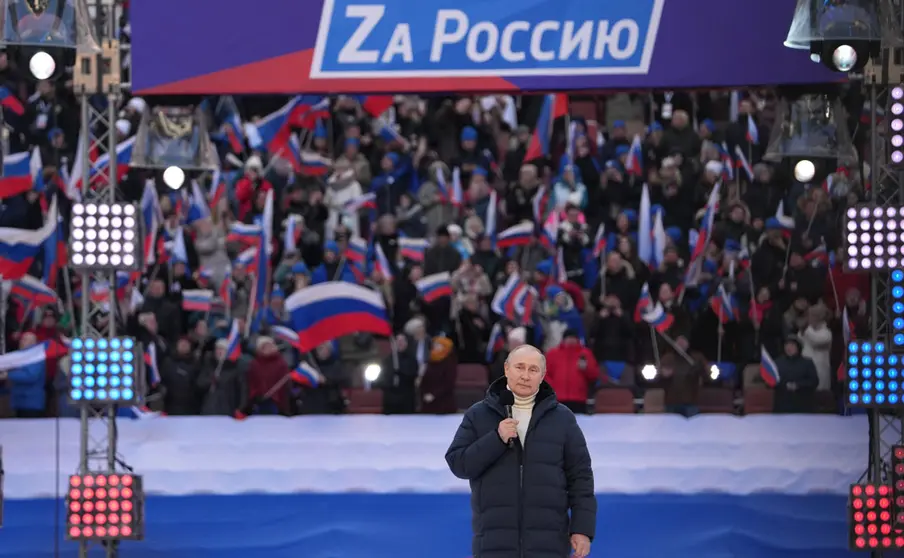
(97, 85)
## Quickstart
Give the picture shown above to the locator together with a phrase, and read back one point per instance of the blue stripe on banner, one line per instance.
(439, 526)
(314, 312)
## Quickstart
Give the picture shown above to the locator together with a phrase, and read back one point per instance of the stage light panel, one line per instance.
(870, 518)
(897, 125)
(897, 309)
(873, 238)
(897, 484)
(105, 371)
(105, 506)
(873, 377)
(105, 236)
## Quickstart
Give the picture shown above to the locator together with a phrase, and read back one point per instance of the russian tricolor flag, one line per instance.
(123, 157)
(549, 232)
(724, 306)
(554, 106)
(489, 228)
(753, 133)
(234, 342)
(55, 255)
(599, 242)
(496, 342)
(286, 335)
(454, 194)
(517, 235)
(434, 287)
(768, 368)
(313, 164)
(328, 311)
(659, 319)
(307, 375)
(19, 247)
(375, 105)
(294, 226)
(199, 207)
(33, 355)
(10, 102)
(150, 363)
(382, 263)
(356, 251)
(743, 163)
(244, 234)
(644, 303)
(152, 216)
(272, 132)
(197, 300)
(247, 257)
(413, 248)
(818, 256)
(366, 201)
(20, 170)
(505, 301)
(33, 292)
(634, 162)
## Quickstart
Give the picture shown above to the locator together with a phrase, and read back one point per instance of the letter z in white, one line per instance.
(370, 15)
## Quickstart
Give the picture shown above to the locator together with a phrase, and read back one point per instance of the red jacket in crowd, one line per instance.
(571, 369)
(245, 191)
(265, 372)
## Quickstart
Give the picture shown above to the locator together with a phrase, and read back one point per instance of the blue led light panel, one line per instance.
(874, 378)
(897, 310)
(105, 371)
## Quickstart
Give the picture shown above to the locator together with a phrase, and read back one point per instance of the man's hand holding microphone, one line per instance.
(508, 430)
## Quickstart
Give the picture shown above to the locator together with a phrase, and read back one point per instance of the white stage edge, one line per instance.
(632, 454)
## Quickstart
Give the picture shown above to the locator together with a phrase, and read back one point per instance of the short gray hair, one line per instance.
(527, 347)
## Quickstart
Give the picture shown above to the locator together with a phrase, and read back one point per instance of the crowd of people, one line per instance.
(674, 244)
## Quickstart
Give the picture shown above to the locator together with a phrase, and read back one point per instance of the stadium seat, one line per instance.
(825, 402)
(751, 375)
(471, 376)
(365, 402)
(614, 400)
(716, 400)
(384, 347)
(654, 401)
(470, 385)
(757, 400)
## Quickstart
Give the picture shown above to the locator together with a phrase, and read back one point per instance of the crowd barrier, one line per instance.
(375, 486)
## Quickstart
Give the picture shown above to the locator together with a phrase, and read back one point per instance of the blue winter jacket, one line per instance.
(520, 497)
(27, 387)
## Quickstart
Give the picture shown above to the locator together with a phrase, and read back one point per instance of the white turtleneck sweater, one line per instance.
(521, 411)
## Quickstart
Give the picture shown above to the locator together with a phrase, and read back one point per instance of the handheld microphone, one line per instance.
(507, 399)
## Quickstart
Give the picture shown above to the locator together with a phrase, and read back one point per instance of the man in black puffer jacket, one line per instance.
(526, 472)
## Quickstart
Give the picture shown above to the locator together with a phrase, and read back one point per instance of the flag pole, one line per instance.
(656, 359)
(675, 346)
(721, 331)
(3, 312)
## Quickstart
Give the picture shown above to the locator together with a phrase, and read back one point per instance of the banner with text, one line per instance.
(330, 46)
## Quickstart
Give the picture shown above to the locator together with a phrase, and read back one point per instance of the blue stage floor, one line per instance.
(438, 526)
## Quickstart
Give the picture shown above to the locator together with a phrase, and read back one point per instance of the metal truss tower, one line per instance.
(886, 429)
(99, 89)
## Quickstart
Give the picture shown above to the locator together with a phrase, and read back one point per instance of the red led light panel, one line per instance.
(897, 483)
(105, 506)
(871, 519)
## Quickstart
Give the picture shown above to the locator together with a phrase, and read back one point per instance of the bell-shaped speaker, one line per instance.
(844, 34)
(174, 137)
(811, 127)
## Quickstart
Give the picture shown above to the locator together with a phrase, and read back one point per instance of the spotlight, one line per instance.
(105, 236)
(897, 126)
(873, 378)
(174, 177)
(105, 506)
(870, 518)
(372, 372)
(648, 372)
(844, 58)
(873, 238)
(41, 65)
(105, 371)
(714, 372)
(804, 171)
